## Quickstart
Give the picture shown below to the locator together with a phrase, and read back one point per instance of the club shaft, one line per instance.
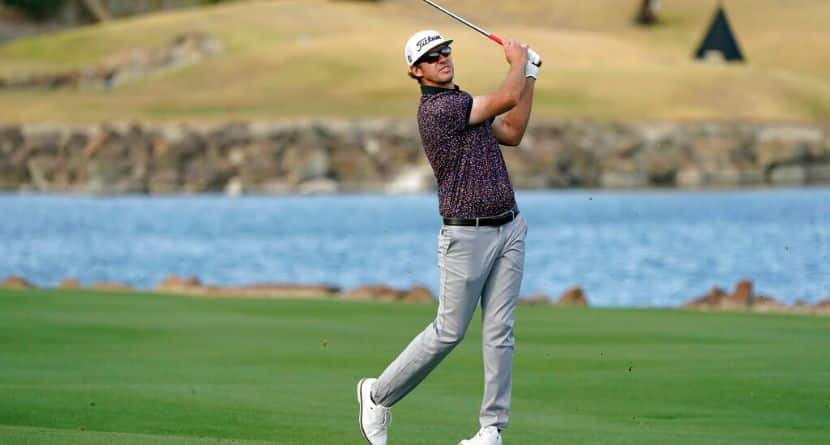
(534, 57)
(460, 19)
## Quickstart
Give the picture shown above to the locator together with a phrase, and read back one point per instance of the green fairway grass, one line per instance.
(81, 367)
(340, 59)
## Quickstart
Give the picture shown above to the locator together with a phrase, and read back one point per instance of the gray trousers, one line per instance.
(477, 264)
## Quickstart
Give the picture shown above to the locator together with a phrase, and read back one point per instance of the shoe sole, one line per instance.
(360, 410)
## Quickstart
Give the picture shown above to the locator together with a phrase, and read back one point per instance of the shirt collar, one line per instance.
(426, 90)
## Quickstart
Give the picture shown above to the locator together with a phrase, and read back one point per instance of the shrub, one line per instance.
(39, 9)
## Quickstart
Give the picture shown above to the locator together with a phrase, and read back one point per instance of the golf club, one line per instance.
(534, 58)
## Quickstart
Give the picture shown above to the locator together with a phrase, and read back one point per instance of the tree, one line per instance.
(37, 9)
(98, 11)
(647, 12)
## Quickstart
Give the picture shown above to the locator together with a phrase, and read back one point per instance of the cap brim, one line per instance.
(430, 48)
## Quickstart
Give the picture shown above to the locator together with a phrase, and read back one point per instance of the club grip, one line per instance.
(496, 39)
(531, 55)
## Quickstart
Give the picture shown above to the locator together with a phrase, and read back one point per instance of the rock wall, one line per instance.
(386, 155)
(742, 299)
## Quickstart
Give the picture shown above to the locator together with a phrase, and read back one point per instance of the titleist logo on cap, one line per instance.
(426, 40)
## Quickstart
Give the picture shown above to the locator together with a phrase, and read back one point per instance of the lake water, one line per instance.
(624, 248)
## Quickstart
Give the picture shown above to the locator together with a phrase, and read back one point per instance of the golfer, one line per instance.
(481, 244)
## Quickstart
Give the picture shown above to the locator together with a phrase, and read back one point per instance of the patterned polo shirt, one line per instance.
(466, 159)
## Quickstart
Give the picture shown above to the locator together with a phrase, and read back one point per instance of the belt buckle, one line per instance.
(477, 222)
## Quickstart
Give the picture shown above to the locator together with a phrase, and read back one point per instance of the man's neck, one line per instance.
(447, 86)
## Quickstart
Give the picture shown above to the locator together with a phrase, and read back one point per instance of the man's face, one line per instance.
(435, 67)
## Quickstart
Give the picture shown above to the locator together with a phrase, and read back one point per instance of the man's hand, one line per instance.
(515, 53)
(533, 64)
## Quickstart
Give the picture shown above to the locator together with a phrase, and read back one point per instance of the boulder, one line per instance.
(175, 145)
(393, 153)
(97, 142)
(258, 163)
(415, 179)
(538, 299)
(716, 149)
(15, 282)
(14, 173)
(319, 186)
(232, 134)
(753, 175)
(789, 134)
(110, 287)
(741, 297)
(69, 283)
(660, 167)
(192, 281)
(573, 297)
(818, 173)
(193, 286)
(419, 294)
(764, 303)
(713, 299)
(576, 165)
(787, 144)
(530, 164)
(163, 181)
(275, 187)
(11, 138)
(623, 180)
(176, 284)
(691, 176)
(110, 177)
(788, 175)
(207, 175)
(235, 187)
(74, 142)
(301, 163)
(271, 290)
(822, 307)
(721, 176)
(351, 164)
(374, 292)
(44, 139)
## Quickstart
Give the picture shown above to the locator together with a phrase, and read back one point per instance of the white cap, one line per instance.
(421, 43)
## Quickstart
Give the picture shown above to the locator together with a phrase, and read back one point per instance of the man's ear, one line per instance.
(416, 72)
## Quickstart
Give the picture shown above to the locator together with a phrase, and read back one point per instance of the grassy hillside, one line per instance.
(344, 59)
(98, 368)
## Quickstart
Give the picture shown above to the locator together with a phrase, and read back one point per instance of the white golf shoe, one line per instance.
(374, 419)
(485, 436)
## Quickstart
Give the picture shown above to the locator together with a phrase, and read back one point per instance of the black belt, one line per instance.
(491, 221)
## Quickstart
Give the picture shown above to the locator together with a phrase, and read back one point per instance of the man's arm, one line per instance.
(510, 93)
(510, 128)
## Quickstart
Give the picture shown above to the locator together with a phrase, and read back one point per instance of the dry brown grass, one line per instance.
(320, 58)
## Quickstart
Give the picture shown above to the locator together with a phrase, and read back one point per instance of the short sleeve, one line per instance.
(449, 112)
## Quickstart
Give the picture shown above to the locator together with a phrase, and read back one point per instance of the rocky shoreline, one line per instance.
(742, 299)
(385, 156)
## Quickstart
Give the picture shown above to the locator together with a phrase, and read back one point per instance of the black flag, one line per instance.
(720, 39)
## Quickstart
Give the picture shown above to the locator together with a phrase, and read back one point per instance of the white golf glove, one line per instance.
(534, 64)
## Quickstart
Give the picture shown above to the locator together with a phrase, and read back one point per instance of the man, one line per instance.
(481, 243)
